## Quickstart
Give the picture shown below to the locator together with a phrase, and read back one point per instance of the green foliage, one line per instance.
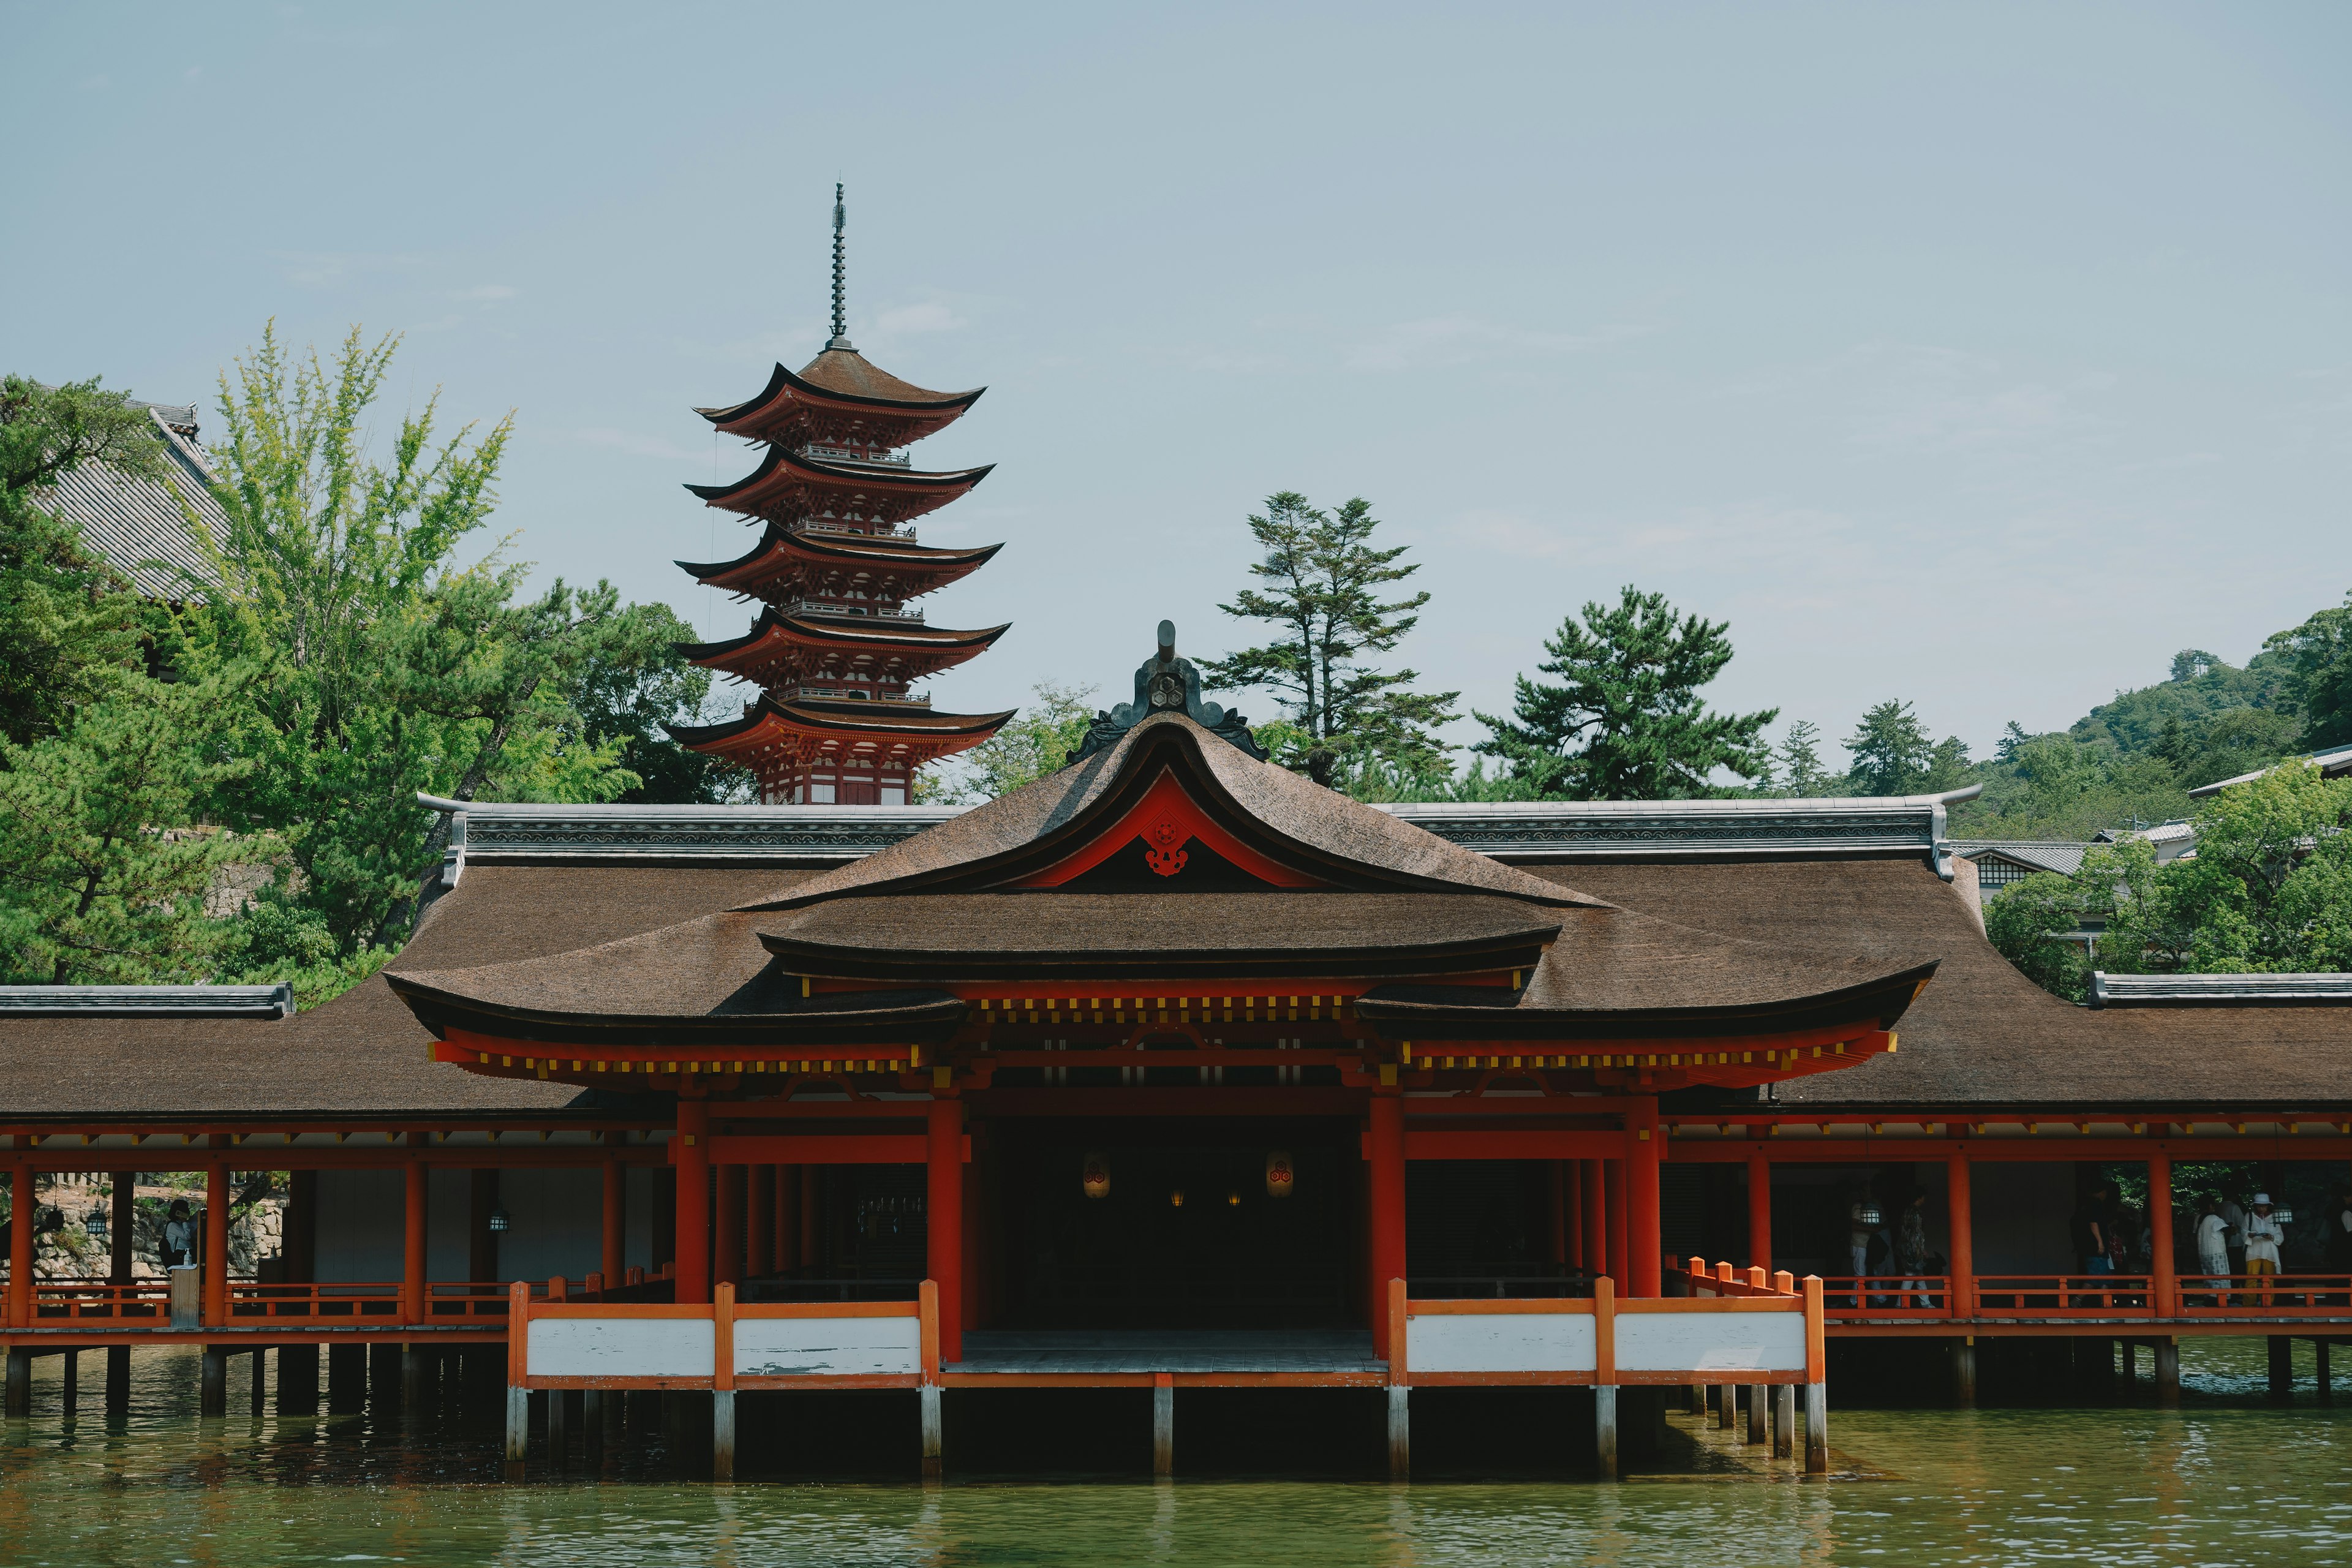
(2200, 686)
(1323, 585)
(2269, 889)
(1035, 743)
(1893, 756)
(1797, 764)
(102, 879)
(1625, 721)
(2316, 658)
(70, 624)
(2029, 923)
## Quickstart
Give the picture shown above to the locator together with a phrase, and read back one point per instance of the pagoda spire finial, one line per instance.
(840, 274)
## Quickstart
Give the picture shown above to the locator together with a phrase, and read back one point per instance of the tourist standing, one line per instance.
(2263, 1237)
(2213, 1250)
(179, 1236)
(1911, 1250)
(2090, 1227)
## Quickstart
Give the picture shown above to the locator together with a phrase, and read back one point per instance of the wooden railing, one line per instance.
(146, 1301)
(2256, 1295)
(1890, 1296)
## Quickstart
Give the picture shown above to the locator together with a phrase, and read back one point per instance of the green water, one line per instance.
(2224, 1479)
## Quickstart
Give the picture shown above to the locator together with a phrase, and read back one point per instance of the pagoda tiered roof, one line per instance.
(789, 485)
(785, 647)
(838, 398)
(777, 731)
(790, 563)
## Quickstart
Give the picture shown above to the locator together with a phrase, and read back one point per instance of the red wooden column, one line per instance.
(1963, 1250)
(414, 1306)
(1759, 1212)
(614, 1253)
(759, 1222)
(1594, 1180)
(943, 1221)
(20, 1246)
(691, 1155)
(1386, 1147)
(216, 1243)
(2165, 1283)
(1619, 1267)
(1644, 1147)
(727, 1229)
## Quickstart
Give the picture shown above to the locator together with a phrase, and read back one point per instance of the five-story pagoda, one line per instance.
(835, 648)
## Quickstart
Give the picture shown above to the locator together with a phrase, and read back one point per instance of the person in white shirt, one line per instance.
(2263, 1235)
(2213, 1250)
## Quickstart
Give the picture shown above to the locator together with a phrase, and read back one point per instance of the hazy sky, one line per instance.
(1977, 355)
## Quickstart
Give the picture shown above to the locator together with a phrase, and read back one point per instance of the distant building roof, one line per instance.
(2220, 990)
(2063, 855)
(2333, 765)
(137, 524)
(2162, 832)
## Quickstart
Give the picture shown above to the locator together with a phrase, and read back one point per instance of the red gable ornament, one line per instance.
(1166, 854)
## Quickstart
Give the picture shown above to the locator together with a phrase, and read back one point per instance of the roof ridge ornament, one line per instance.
(840, 274)
(1166, 684)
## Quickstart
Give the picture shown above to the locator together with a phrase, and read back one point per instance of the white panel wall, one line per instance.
(1711, 1341)
(363, 1225)
(1502, 1341)
(622, 1347)
(831, 1347)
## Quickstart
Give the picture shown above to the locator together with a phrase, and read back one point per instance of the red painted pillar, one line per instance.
(1644, 1246)
(616, 1249)
(20, 1246)
(690, 1152)
(2165, 1284)
(1594, 1180)
(414, 1306)
(1759, 1212)
(216, 1220)
(727, 1229)
(759, 1221)
(943, 1222)
(1386, 1146)
(1961, 1209)
(1620, 1266)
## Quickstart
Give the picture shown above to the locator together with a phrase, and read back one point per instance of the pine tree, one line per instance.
(1799, 761)
(1626, 722)
(1324, 580)
(1891, 751)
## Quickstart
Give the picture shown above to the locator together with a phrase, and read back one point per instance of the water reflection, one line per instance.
(2223, 1479)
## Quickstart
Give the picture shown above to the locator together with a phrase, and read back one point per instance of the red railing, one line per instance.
(1888, 1296)
(342, 1300)
(73, 1299)
(2265, 1295)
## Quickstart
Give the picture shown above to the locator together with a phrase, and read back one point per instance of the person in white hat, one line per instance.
(2263, 1235)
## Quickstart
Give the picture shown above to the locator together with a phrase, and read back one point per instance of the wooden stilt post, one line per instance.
(1164, 1426)
(1964, 1370)
(71, 1391)
(591, 1427)
(934, 1446)
(1400, 1338)
(2282, 1360)
(211, 1378)
(258, 1396)
(1760, 1211)
(723, 1380)
(517, 1448)
(2168, 1370)
(1726, 1407)
(1784, 1420)
(690, 1152)
(2319, 1364)
(558, 1429)
(19, 1400)
(1817, 1391)
(1758, 1427)
(943, 1219)
(415, 1380)
(1604, 1377)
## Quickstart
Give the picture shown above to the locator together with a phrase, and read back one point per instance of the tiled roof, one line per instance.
(2060, 854)
(2333, 765)
(137, 524)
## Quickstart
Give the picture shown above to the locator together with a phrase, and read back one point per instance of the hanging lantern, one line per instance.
(1094, 1176)
(1176, 1199)
(1279, 1174)
(1234, 1199)
(498, 1220)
